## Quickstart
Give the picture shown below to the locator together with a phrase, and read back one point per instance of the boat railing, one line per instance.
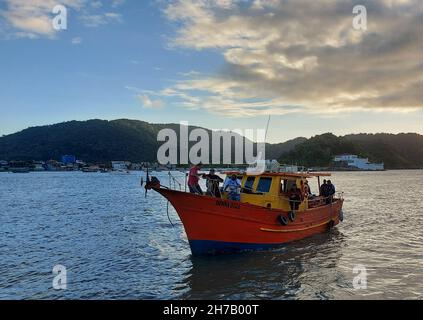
(315, 199)
(177, 185)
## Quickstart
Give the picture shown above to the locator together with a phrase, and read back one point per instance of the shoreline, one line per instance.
(134, 171)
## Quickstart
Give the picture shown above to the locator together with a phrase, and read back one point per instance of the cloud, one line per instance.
(145, 97)
(96, 4)
(147, 102)
(76, 40)
(284, 56)
(33, 19)
(117, 3)
(95, 20)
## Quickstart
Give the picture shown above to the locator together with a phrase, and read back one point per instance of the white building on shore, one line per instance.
(120, 165)
(4, 165)
(354, 161)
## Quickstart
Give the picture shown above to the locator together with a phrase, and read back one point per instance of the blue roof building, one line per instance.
(68, 159)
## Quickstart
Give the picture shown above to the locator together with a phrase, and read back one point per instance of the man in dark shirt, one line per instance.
(294, 196)
(212, 183)
(330, 191)
(323, 188)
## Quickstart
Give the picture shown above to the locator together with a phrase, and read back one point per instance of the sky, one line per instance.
(221, 64)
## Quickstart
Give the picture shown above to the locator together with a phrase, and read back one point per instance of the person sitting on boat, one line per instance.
(294, 196)
(193, 178)
(234, 188)
(212, 183)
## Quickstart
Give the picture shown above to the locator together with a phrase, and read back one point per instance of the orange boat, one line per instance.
(262, 219)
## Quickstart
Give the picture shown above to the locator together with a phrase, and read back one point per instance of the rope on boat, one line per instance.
(168, 216)
(175, 181)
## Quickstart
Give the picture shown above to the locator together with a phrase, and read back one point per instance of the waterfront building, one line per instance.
(120, 165)
(68, 159)
(53, 165)
(39, 166)
(4, 165)
(354, 162)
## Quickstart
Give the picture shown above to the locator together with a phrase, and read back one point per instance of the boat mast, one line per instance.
(267, 129)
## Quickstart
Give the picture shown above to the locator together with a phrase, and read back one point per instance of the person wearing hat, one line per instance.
(212, 182)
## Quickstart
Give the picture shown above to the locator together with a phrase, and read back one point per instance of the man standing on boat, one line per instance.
(323, 189)
(234, 188)
(213, 181)
(295, 198)
(193, 178)
(307, 189)
(330, 192)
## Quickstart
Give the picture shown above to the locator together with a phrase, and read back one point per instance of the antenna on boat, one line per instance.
(267, 129)
(260, 162)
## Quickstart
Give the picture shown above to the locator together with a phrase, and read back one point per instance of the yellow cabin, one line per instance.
(271, 189)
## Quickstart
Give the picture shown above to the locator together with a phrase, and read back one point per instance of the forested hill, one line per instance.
(92, 141)
(99, 141)
(136, 141)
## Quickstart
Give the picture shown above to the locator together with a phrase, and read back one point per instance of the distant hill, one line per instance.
(274, 151)
(401, 151)
(136, 141)
(98, 141)
(92, 141)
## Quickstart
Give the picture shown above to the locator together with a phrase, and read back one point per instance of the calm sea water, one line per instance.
(116, 244)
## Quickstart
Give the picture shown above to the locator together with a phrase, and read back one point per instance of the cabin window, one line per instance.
(264, 185)
(249, 183)
(283, 186)
(286, 185)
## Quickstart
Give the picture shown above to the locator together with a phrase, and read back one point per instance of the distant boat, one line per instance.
(90, 169)
(20, 170)
(121, 171)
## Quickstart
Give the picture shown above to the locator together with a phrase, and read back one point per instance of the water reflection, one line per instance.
(279, 274)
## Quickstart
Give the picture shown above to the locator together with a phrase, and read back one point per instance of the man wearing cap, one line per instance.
(212, 182)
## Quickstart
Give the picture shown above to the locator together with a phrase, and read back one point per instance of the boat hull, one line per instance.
(215, 226)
